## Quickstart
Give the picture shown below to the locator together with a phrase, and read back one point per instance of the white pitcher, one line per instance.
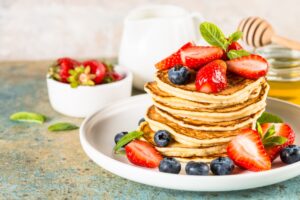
(151, 33)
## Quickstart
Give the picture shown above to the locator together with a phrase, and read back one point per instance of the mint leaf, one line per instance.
(62, 126)
(269, 133)
(213, 35)
(235, 36)
(233, 54)
(275, 141)
(28, 117)
(127, 138)
(259, 129)
(269, 118)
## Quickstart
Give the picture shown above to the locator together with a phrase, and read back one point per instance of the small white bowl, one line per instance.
(85, 100)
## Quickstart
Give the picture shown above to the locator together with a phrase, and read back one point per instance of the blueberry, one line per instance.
(162, 138)
(119, 136)
(222, 166)
(141, 121)
(170, 165)
(290, 154)
(179, 75)
(196, 168)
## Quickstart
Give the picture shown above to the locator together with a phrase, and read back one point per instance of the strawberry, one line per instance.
(212, 77)
(60, 70)
(252, 66)
(281, 129)
(97, 68)
(234, 46)
(195, 57)
(173, 59)
(247, 151)
(143, 154)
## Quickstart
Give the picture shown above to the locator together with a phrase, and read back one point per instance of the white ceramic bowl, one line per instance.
(85, 100)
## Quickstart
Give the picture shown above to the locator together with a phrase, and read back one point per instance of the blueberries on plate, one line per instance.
(196, 168)
(290, 154)
(162, 138)
(141, 121)
(169, 165)
(222, 166)
(179, 75)
(119, 136)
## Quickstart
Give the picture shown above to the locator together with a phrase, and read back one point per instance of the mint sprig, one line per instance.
(269, 118)
(127, 138)
(213, 35)
(235, 36)
(233, 54)
(62, 126)
(28, 117)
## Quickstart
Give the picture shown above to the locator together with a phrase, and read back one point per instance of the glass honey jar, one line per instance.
(284, 72)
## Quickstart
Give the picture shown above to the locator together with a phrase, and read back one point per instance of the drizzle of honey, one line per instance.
(289, 91)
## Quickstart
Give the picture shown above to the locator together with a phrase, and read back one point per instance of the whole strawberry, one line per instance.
(60, 71)
(97, 68)
(212, 77)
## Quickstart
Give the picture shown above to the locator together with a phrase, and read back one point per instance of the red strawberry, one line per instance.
(234, 46)
(196, 56)
(252, 66)
(62, 67)
(143, 154)
(97, 68)
(173, 59)
(212, 77)
(281, 129)
(247, 151)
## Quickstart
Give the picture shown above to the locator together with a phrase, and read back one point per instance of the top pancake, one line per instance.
(238, 90)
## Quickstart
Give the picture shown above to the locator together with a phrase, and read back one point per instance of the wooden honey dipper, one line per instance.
(258, 32)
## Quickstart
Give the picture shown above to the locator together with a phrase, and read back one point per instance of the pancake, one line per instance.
(175, 149)
(237, 111)
(170, 100)
(187, 135)
(206, 159)
(238, 90)
(212, 126)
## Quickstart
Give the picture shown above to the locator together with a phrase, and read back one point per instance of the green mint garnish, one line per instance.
(235, 36)
(269, 118)
(127, 138)
(268, 139)
(213, 35)
(62, 126)
(233, 54)
(28, 117)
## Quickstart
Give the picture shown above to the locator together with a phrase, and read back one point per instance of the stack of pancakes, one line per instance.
(202, 124)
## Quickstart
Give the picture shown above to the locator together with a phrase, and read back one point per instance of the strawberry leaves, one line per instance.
(126, 139)
(213, 35)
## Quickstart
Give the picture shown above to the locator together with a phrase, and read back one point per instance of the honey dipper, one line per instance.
(258, 32)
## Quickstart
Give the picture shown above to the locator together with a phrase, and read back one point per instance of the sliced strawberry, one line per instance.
(281, 129)
(97, 68)
(212, 77)
(252, 66)
(195, 57)
(143, 154)
(247, 151)
(63, 67)
(173, 59)
(234, 46)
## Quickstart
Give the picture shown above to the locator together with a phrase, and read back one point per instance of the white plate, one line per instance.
(97, 139)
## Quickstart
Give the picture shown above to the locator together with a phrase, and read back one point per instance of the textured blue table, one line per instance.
(35, 163)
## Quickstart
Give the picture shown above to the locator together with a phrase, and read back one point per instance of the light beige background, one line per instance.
(46, 29)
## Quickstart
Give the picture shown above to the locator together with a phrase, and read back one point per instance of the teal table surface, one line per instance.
(37, 164)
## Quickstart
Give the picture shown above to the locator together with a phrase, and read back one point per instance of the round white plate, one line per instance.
(97, 139)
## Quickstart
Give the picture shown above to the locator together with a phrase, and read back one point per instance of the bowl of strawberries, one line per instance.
(78, 89)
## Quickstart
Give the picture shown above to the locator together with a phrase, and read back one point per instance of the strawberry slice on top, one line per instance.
(212, 77)
(234, 46)
(195, 57)
(252, 66)
(143, 154)
(247, 151)
(172, 60)
(279, 129)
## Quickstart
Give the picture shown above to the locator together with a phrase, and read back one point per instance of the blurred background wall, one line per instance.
(47, 29)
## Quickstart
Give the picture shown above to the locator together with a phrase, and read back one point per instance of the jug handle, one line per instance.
(197, 20)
